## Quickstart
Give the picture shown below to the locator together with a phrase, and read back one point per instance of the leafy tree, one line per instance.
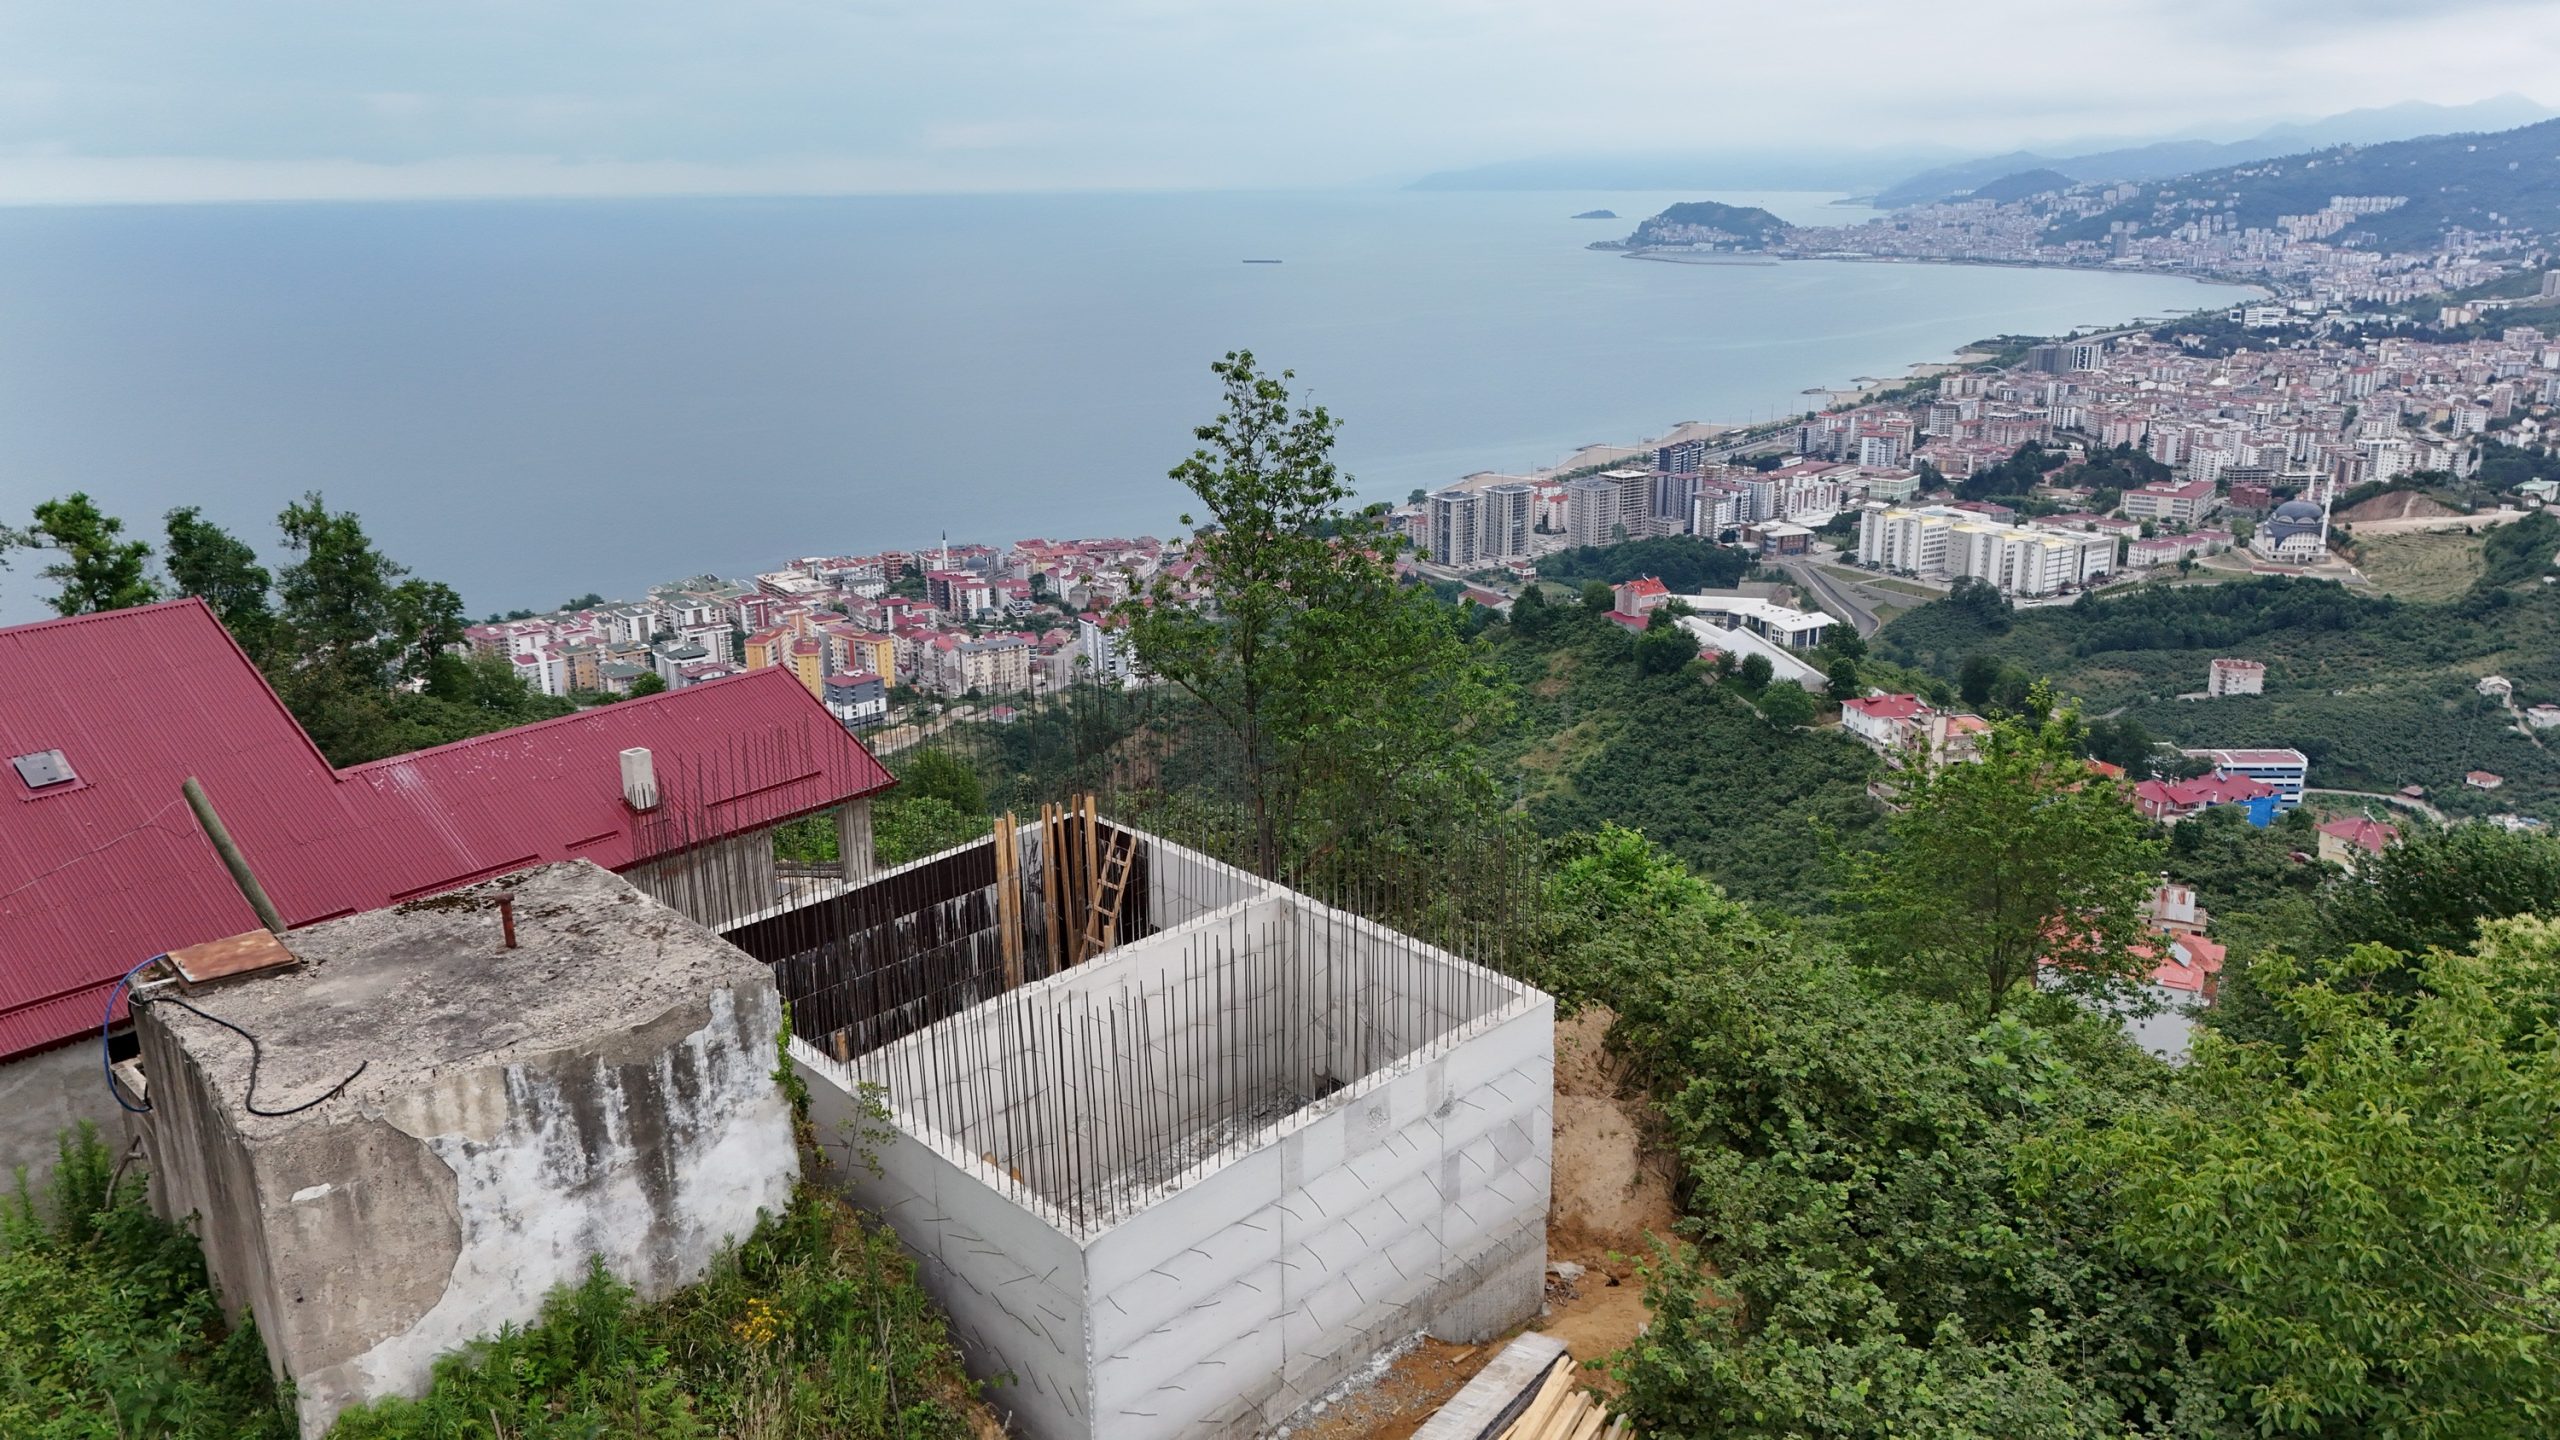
(648, 683)
(1348, 695)
(346, 604)
(98, 570)
(2123, 744)
(217, 567)
(1665, 650)
(1840, 673)
(2000, 864)
(2440, 884)
(1981, 602)
(2364, 1221)
(1598, 597)
(1975, 679)
(938, 775)
(1787, 705)
(588, 601)
(1755, 672)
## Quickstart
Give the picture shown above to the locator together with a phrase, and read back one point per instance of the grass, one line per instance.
(812, 1327)
(2428, 565)
(108, 1328)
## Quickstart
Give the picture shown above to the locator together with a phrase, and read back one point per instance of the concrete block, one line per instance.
(603, 1090)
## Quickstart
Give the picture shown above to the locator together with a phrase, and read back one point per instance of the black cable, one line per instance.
(257, 1054)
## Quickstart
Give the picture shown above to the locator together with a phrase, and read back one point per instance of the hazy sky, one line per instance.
(147, 98)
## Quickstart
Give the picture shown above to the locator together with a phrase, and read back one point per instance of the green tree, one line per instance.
(1787, 705)
(346, 604)
(217, 567)
(1975, 679)
(648, 683)
(1840, 675)
(1999, 864)
(938, 775)
(1349, 697)
(2365, 1220)
(98, 570)
(1755, 671)
(1598, 597)
(1666, 650)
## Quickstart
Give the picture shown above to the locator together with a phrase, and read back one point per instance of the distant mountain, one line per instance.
(1846, 170)
(2163, 159)
(2023, 184)
(1708, 223)
(2507, 180)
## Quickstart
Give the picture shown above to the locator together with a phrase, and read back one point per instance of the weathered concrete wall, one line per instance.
(46, 1094)
(605, 1091)
(718, 884)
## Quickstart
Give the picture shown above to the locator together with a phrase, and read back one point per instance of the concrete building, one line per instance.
(1347, 1143)
(2284, 771)
(1611, 506)
(464, 1131)
(1452, 524)
(2166, 504)
(857, 697)
(1782, 624)
(2226, 676)
(1944, 542)
(1506, 518)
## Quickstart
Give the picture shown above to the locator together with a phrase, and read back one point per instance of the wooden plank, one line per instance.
(1052, 858)
(1092, 866)
(1593, 1417)
(1533, 1421)
(1009, 898)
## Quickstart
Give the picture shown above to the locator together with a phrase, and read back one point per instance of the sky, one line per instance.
(231, 99)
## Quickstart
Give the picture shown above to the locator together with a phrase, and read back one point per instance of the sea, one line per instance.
(532, 400)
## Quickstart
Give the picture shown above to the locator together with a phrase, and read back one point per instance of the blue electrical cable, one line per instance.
(106, 1042)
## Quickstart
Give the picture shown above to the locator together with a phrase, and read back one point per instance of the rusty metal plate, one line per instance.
(245, 954)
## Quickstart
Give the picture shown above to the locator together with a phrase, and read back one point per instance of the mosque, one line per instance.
(2296, 534)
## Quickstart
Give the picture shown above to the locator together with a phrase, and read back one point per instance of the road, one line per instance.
(1842, 596)
(2421, 806)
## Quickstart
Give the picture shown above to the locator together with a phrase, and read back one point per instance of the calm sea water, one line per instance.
(531, 400)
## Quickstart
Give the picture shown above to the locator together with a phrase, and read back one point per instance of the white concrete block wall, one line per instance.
(1413, 1199)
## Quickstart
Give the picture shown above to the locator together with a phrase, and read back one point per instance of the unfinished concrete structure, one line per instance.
(439, 1128)
(1190, 1184)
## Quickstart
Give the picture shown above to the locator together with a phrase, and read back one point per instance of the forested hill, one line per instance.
(1709, 222)
(2503, 180)
(2379, 693)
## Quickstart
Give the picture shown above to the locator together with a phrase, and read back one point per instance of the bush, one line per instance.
(812, 1328)
(108, 1328)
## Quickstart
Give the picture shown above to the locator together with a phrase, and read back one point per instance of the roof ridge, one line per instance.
(60, 622)
(591, 712)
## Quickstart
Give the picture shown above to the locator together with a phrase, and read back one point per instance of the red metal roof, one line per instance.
(96, 878)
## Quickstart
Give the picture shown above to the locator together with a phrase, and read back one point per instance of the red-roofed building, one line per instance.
(2350, 838)
(1639, 596)
(1886, 722)
(2169, 801)
(103, 867)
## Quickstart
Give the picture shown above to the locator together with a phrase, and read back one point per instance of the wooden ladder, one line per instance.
(1111, 887)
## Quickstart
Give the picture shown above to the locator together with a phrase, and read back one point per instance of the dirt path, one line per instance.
(1609, 1195)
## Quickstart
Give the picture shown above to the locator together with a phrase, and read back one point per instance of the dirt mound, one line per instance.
(2398, 505)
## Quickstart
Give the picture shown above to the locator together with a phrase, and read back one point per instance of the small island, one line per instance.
(1704, 225)
(1597, 215)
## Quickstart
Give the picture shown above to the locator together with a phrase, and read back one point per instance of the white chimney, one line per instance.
(639, 778)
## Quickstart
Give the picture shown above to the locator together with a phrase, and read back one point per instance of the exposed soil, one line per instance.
(1610, 1193)
(2398, 505)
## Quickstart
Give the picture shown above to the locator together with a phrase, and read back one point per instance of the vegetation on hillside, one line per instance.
(1738, 227)
(108, 1329)
(2378, 692)
(1686, 564)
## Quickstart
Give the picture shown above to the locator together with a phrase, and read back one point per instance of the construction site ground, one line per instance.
(1611, 1192)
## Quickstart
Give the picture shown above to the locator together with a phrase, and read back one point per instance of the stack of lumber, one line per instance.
(1526, 1393)
(1562, 1410)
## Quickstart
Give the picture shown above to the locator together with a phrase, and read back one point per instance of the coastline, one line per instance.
(1600, 454)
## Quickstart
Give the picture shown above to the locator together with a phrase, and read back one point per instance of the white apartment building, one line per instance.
(2227, 676)
(1506, 516)
(1938, 542)
(1452, 529)
(1602, 509)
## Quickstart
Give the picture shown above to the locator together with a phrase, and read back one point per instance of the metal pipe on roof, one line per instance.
(232, 859)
